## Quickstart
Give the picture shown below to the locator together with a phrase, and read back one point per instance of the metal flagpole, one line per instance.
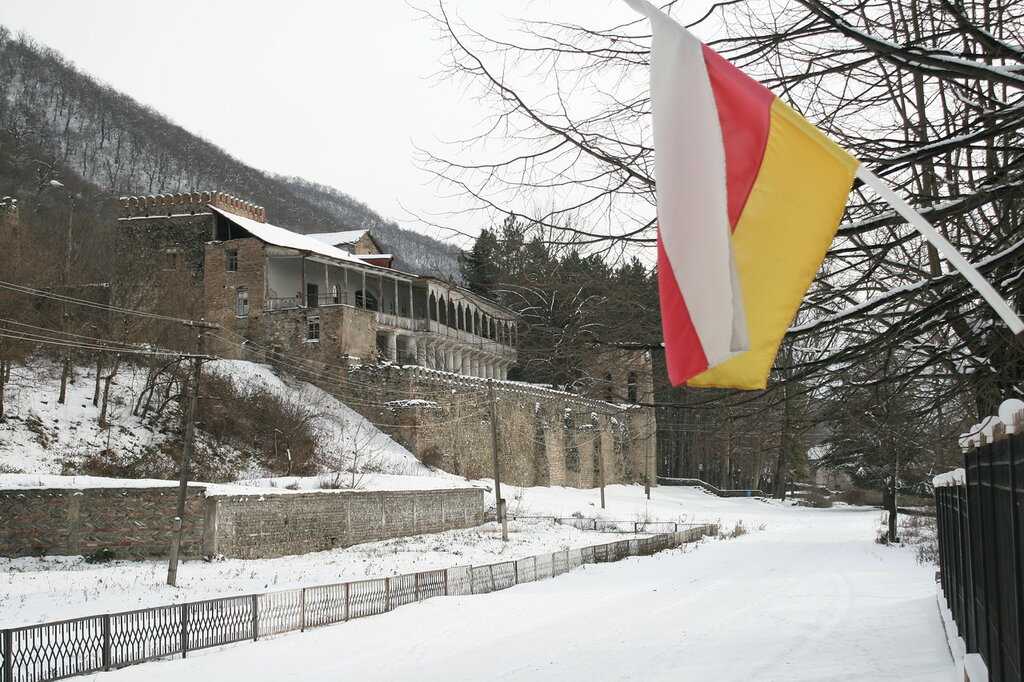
(947, 250)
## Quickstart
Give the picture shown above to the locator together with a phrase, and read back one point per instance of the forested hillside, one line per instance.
(64, 121)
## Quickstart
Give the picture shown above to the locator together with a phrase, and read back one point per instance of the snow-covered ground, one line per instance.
(54, 588)
(809, 598)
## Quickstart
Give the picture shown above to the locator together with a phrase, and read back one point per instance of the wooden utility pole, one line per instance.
(599, 453)
(499, 502)
(186, 451)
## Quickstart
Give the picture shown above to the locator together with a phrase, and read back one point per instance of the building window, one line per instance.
(313, 328)
(232, 260)
(242, 302)
(335, 298)
(631, 387)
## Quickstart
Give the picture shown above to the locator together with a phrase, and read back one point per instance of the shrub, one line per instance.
(100, 556)
(279, 433)
(737, 531)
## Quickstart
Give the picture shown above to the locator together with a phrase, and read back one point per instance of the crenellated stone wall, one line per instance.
(165, 205)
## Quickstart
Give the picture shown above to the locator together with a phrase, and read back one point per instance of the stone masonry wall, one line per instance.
(265, 526)
(545, 437)
(136, 523)
(131, 522)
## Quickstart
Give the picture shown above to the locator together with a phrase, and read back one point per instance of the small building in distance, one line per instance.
(325, 297)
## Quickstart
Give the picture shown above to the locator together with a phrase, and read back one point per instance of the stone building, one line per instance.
(327, 296)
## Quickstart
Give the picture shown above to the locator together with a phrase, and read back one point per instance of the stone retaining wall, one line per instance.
(136, 523)
(259, 527)
(545, 437)
(131, 522)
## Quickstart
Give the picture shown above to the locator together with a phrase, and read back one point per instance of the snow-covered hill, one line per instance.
(40, 436)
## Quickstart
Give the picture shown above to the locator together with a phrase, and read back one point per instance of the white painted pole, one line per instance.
(947, 250)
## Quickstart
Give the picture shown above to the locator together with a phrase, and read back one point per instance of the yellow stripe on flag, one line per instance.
(787, 225)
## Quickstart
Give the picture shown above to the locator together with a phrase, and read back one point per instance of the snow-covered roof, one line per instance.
(279, 236)
(335, 238)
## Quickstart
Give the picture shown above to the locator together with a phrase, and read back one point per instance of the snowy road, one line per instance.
(811, 599)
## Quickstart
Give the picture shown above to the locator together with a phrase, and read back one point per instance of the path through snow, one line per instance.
(813, 599)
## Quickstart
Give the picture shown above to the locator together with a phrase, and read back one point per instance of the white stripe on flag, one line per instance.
(692, 198)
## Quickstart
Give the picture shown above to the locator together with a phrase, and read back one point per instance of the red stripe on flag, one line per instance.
(744, 113)
(684, 354)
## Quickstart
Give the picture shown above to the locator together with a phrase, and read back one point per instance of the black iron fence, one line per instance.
(606, 525)
(52, 651)
(981, 554)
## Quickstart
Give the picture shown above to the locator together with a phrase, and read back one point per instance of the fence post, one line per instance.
(348, 610)
(446, 582)
(387, 594)
(515, 571)
(255, 617)
(8, 659)
(106, 643)
(184, 630)
(1011, 450)
(417, 586)
(302, 610)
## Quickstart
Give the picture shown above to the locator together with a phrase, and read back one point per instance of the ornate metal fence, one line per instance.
(981, 553)
(52, 651)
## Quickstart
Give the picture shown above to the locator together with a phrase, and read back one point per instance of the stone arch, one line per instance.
(476, 322)
(451, 313)
(432, 307)
(461, 313)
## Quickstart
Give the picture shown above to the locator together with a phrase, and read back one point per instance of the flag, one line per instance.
(750, 195)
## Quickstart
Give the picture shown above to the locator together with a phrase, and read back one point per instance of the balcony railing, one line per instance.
(400, 322)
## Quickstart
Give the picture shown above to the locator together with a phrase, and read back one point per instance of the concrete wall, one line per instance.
(132, 522)
(137, 522)
(251, 527)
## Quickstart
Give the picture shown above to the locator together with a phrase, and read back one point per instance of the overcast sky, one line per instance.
(335, 92)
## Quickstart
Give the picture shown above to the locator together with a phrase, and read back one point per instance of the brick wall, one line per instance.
(132, 522)
(265, 526)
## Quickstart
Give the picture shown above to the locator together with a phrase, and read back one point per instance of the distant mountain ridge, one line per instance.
(123, 147)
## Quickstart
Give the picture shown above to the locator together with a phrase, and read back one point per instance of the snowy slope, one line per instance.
(340, 430)
(41, 436)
